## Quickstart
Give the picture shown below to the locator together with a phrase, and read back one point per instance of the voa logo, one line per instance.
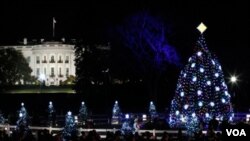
(236, 132)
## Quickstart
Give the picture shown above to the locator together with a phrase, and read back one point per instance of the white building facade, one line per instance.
(51, 62)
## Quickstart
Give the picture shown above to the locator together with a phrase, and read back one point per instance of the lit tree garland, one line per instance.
(201, 91)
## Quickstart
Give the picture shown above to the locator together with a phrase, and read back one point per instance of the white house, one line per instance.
(51, 62)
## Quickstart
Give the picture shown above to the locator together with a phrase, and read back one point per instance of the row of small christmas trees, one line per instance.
(69, 130)
(116, 112)
(70, 127)
(82, 116)
(201, 91)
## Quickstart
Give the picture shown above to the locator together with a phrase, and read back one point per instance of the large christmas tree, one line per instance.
(201, 91)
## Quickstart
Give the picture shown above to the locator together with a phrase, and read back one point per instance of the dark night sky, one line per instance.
(227, 34)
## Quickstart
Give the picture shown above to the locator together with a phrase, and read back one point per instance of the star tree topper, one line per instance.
(202, 27)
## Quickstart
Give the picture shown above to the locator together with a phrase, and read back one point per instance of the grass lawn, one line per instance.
(32, 90)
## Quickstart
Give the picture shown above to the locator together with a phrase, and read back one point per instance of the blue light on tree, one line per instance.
(200, 103)
(216, 74)
(193, 65)
(199, 53)
(212, 104)
(193, 114)
(182, 94)
(208, 83)
(185, 107)
(194, 79)
(205, 91)
(207, 115)
(201, 70)
(177, 112)
(199, 92)
(223, 100)
(217, 88)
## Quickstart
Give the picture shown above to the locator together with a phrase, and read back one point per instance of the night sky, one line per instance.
(227, 34)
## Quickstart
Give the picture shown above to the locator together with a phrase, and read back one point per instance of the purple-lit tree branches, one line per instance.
(145, 35)
(146, 38)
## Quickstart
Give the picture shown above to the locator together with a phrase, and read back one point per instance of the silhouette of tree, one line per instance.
(14, 67)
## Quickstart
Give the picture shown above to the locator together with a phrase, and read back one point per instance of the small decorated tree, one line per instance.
(51, 114)
(116, 114)
(23, 120)
(152, 110)
(83, 113)
(69, 129)
(127, 126)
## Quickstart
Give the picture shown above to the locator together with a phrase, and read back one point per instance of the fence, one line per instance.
(101, 132)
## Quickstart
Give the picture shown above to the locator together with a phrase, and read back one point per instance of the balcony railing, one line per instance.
(52, 61)
(52, 75)
(60, 75)
(60, 61)
(66, 61)
(44, 61)
(38, 62)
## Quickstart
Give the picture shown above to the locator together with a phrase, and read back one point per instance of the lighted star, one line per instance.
(202, 28)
